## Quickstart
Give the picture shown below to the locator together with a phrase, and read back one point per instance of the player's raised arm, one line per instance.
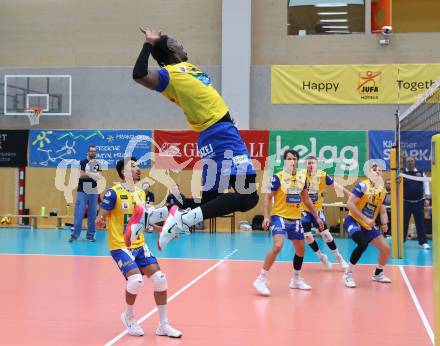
(149, 78)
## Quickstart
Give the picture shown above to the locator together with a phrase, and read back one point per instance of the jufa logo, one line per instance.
(368, 84)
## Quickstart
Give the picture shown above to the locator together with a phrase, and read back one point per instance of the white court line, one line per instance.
(174, 296)
(417, 304)
(209, 259)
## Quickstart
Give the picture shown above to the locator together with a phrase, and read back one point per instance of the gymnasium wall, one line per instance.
(66, 35)
(78, 33)
(272, 46)
(73, 33)
(8, 191)
(108, 98)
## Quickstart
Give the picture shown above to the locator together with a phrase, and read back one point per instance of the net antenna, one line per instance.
(34, 114)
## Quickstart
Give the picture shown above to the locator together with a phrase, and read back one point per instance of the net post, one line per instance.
(393, 180)
(396, 230)
(400, 223)
(435, 152)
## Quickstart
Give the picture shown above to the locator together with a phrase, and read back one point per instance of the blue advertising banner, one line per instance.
(380, 143)
(48, 148)
(418, 145)
(413, 143)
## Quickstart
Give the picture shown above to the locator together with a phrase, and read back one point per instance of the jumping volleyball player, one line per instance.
(288, 190)
(219, 140)
(136, 260)
(318, 183)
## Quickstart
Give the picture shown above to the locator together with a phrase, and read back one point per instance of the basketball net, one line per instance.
(34, 114)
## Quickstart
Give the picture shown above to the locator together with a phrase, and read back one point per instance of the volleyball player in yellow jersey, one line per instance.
(318, 182)
(220, 145)
(289, 189)
(364, 205)
(136, 260)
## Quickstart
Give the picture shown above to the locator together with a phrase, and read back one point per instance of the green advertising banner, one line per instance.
(340, 153)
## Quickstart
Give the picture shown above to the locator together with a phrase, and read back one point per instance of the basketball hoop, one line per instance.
(34, 115)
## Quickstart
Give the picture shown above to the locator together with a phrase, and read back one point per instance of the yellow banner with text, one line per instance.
(351, 84)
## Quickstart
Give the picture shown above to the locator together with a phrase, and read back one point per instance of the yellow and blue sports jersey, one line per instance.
(287, 197)
(370, 201)
(120, 202)
(317, 185)
(191, 89)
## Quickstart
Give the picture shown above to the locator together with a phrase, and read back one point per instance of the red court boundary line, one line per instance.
(418, 305)
(174, 296)
(209, 259)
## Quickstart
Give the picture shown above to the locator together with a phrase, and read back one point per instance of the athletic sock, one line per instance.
(163, 314)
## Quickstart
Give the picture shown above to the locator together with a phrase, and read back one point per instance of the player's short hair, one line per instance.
(311, 157)
(291, 151)
(91, 146)
(121, 164)
(161, 52)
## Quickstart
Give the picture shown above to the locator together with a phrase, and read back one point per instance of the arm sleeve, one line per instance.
(275, 183)
(151, 197)
(140, 69)
(164, 79)
(359, 190)
(109, 201)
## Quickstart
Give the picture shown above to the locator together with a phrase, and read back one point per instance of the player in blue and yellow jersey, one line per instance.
(318, 182)
(136, 260)
(288, 191)
(364, 205)
(224, 154)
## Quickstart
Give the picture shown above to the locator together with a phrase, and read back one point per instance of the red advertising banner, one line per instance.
(176, 149)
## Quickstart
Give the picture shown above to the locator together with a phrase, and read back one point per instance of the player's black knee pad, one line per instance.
(247, 202)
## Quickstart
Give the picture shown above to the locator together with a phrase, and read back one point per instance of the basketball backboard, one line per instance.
(53, 93)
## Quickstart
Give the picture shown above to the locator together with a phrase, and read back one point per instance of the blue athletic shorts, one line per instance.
(224, 154)
(351, 226)
(306, 217)
(128, 259)
(292, 227)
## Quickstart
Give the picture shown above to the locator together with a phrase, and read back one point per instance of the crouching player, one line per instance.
(135, 260)
(364, 205)
(318, 182)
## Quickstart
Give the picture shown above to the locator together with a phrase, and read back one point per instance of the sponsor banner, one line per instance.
(418, 145)
(380, 144)
(351, 84)
(179, 149)
(412, 143)
(48, 148)
(339, 152)
(13, 148)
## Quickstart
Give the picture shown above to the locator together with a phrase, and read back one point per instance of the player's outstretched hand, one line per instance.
(151, 35)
